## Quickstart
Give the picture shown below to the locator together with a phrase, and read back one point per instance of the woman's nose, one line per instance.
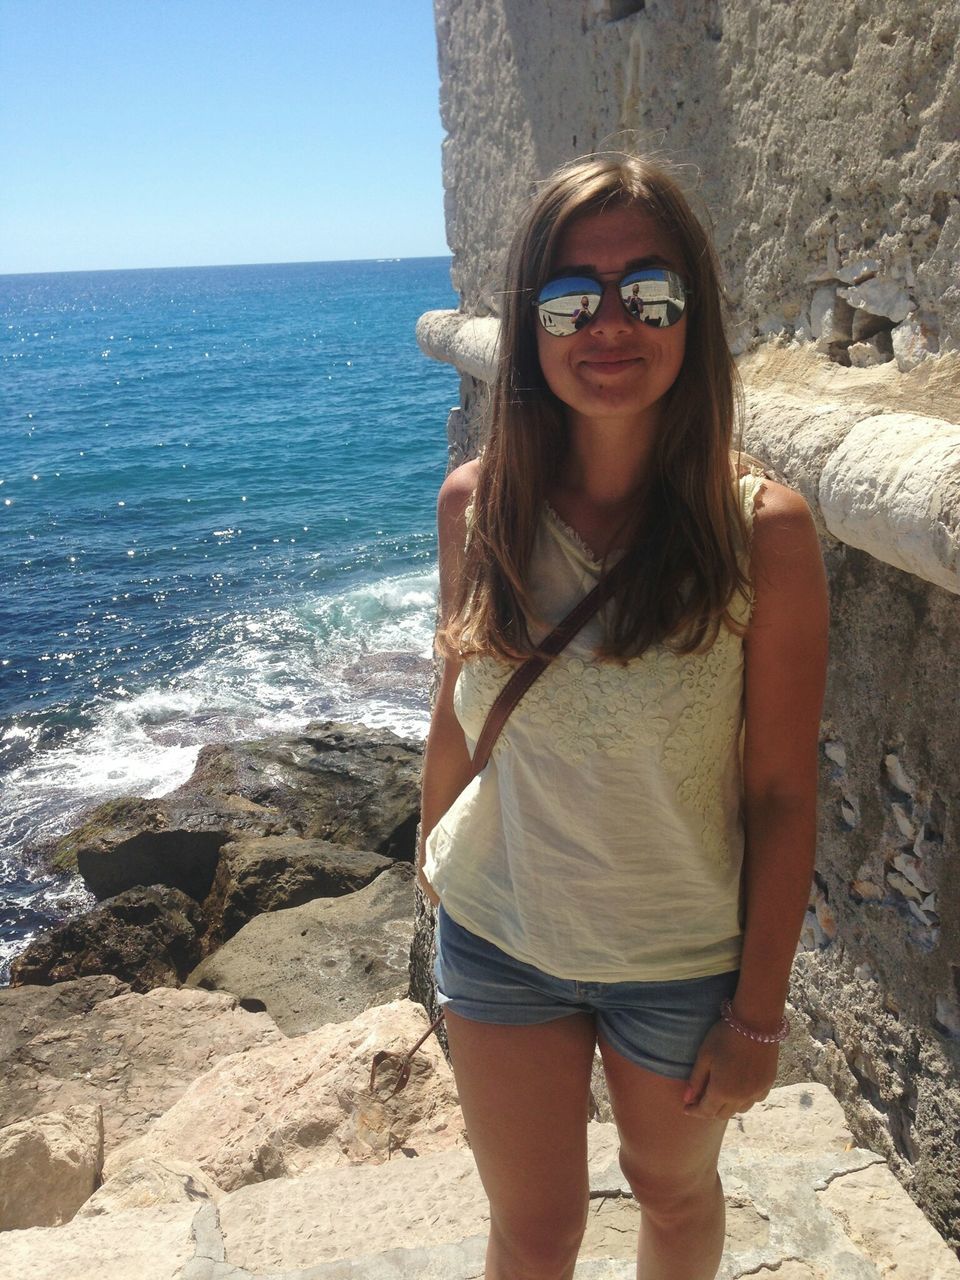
(611, 315)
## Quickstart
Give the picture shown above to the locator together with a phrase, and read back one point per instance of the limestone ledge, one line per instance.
(886, 481)
(803, 1202)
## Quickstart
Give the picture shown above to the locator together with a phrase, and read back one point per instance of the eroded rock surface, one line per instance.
(802, 1201)
(49, 1165)
(136, 1244)
(26, 1011)
(325, 961)
(791, 1174)
(147, 937)
(144, 1184)
(271, 873)
(279, 1110)
(132, 1054)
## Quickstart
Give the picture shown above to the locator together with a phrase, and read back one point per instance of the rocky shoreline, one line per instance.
(270, 896)
(185, 1090)
(258, 828)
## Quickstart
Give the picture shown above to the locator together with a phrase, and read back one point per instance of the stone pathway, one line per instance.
(803, 1203)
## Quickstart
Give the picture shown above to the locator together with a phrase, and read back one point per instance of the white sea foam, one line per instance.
(361, 655)
(392, 613)
(151, 654)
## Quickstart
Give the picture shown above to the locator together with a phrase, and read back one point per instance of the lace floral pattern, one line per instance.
(583, 707)
(683, 712)
(697, 750)
(571, 536)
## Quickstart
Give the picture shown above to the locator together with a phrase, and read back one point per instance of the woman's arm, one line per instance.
(446, 765)
(785, 672)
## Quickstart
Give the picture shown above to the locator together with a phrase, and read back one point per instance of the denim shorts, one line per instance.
(657, 1025)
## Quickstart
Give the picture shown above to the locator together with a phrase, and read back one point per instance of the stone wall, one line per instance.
(825, 141)
(822, 144)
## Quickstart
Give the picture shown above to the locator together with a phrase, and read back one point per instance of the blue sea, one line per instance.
(217, 491)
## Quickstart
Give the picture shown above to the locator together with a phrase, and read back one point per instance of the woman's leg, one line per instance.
(670, 1161)
(525, 1094)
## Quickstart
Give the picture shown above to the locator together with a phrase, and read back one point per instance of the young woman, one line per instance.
(638, 851)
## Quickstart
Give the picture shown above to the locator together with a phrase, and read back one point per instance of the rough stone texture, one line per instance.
(408, 1204)
(147, 937)
(409, 1218)
(802, 1204)
(895, 1234)
(306, 1102)
(878, 978)
(139, 1244)
(49, 1165)
(800, 411)
(469, 342)
(274, 872)
(327, 1214)
(323, 962)
(896, 1084)
(26, 1011)
(342, 783)
(893, 488)
(422, 955)
(133, 1054)
(143, 1184)
(761, 105)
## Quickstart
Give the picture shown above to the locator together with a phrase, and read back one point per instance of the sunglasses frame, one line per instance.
(638, 274)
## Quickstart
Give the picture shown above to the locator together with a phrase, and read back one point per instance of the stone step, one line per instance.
(803, 1203)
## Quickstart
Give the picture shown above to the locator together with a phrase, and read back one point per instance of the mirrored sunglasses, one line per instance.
(653, 295)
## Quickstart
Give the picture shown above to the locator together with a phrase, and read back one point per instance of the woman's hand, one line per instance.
(730, 1074)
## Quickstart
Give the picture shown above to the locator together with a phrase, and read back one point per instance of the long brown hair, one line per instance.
(681, 565)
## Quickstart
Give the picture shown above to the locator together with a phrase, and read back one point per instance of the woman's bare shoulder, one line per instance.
(457, 490)
(777, 507)
(786, 556)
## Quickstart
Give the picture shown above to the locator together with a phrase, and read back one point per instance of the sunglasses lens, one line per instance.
(655, 296)
(566, 304)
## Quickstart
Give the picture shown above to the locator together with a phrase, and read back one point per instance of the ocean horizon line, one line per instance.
(223, 266)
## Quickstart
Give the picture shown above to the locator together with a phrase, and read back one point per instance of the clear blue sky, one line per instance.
(144, 133)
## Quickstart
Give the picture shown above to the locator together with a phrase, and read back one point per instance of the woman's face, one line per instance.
(615, 366)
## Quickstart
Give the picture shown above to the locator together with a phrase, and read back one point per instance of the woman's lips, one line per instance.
(610, 364)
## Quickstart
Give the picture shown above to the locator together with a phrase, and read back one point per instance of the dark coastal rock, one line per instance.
(147, 937)
(276, 872)
(131, 841)
(325, 961)
(342, 783)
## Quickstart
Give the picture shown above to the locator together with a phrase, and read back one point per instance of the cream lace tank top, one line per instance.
(603, 841)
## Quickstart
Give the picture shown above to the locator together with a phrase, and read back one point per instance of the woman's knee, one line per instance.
(540, 1239)
(669, 1193)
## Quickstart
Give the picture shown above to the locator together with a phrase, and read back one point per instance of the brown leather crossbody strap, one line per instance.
(527, 672)
(506, 700)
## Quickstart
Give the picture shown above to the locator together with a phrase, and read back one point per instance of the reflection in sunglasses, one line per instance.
(655, 296)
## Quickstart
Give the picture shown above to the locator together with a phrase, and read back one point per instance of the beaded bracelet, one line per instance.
(762, 1037)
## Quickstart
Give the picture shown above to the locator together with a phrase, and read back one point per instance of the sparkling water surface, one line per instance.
(217, 492)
